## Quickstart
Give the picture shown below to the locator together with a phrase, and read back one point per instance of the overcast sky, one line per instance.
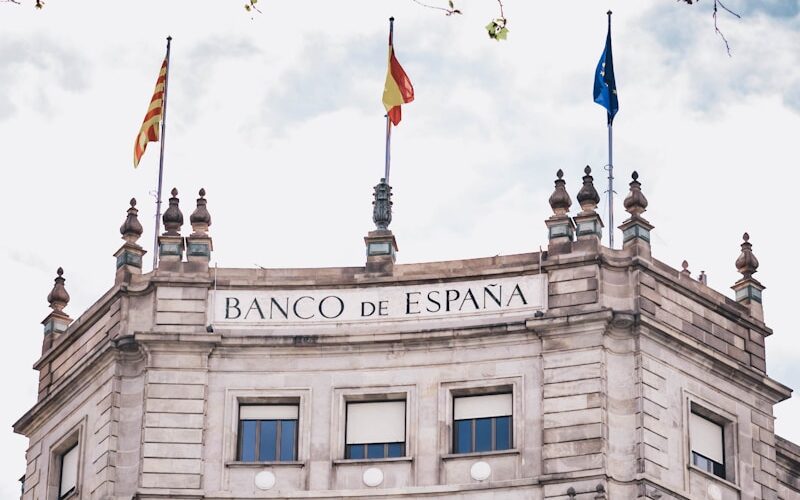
(279, 118)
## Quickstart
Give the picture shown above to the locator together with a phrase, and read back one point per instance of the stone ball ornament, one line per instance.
(372, 477)
(480, 471)
(265, 480)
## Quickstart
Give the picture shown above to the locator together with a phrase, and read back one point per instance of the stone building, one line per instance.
(579, 371)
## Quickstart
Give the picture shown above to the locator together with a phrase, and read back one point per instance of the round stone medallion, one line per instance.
(372, 477)
(480, 471)
(265, 480)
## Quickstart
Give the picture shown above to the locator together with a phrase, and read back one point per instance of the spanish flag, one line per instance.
(152, 120)
(398, 89)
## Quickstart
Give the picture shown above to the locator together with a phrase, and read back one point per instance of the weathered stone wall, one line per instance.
(84, 337)
(602, 383)
(708, 317)
(86, 410)
(787, 469)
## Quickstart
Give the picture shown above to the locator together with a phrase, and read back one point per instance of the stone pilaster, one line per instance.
(381, 251)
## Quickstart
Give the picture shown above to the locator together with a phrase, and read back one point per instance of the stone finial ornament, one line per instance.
(587, 196)
(635, 203)
(58, 296)
(685, 271)
(173, 218)
(382, 205)
(131, 229)
(601, 492)
(747, 264)
(200, 218)
(560, 200)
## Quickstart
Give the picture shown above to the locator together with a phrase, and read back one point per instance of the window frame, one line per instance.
(360, 399)
(237, 396)
(342, 394)
(257, 437)
(522, 405)
(727, 422)
(72, 439)
(72, 491)
(473, 422)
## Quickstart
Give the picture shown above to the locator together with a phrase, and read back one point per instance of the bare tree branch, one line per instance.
(727, 9)
(448, 12)
(716, 28)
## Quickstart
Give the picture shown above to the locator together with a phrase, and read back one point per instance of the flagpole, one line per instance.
(388, 120)
(388, 147)
(610, 164)
(610, 188)
(161, 160)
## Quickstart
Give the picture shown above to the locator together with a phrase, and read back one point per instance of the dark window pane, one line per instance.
(700, 461)
(355, 451)
(462, 441)
(503, 433)
(719, 469)
(483, 434)
(269, 433)
(247, 443)
(376, 450)
(288, 440)
(397, 450)
(708, 465)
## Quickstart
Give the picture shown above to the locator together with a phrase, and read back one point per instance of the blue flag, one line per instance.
(605, 87)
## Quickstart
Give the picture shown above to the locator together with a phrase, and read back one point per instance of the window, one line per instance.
(375, 430)
(68, 472)
(707, 442)
(482, 423)
(268, 433)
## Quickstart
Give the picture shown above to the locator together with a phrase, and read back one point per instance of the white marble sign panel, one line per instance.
(287, 307)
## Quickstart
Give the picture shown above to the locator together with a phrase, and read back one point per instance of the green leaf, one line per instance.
(450, 2)
(491, 29)
(253, 2)
(247, 7)
(502, 34)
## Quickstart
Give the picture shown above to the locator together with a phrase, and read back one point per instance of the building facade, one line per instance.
(578, 371)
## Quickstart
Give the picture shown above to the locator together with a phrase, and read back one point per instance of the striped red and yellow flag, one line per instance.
(398, 89)
(152, 120)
